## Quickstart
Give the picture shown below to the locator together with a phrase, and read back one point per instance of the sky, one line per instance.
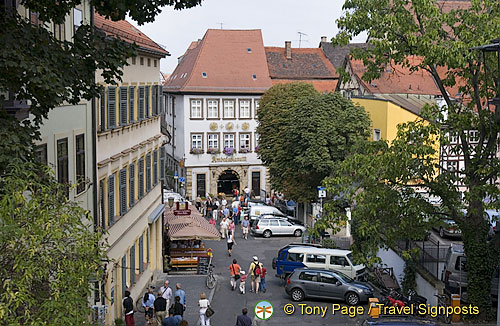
(279, 20)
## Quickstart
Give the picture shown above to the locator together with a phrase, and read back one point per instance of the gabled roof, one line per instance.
(396, 79)
(338, 54)
(127, 32)
(228, 61)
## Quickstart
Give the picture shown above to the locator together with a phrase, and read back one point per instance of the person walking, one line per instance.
(243, 319)
(251, 272)
(245, 227)
(128, 307)
(236, 215)
(234, 270)
(243, 279)
(224, 203)
(257, 277)
(203, 304)
(177, 309)
(160, 308)
(247, 192)
(230, 242)
(224, 224)
(148, 304)
(262, 278)
(181, 294)
(166, 292)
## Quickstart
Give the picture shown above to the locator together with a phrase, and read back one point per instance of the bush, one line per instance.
(329, 243)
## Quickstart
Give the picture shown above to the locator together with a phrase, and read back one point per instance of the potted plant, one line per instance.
(228, 151)
(196, 151)
(212, 150)
(244, 150)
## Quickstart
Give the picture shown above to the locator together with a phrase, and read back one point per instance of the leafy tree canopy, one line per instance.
(442, 33)
(303, 134)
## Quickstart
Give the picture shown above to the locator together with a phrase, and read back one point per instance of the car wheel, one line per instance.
(351, 298)
(297, 233)
(441, 232)
(297, 294)
(267, 234)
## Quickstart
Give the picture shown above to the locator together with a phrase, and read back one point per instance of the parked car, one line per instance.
(448, 229)
(323, 283)
(388, 320)
(324, 258)
(283, 206)
(251, 203)
(493, 217)
(293, 244)
(276, 226)
(454, 273)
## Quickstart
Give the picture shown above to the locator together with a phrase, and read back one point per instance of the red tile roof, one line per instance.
(127, 32)
(223, 61)
(397, 79)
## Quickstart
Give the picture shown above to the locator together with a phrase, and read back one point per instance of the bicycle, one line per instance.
(444, 301)
(210, 277)
(138, 305)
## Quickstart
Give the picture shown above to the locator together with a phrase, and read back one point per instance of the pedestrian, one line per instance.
(262, 271)
(230, 242)
(243, 319)
(166, 292)
(148, 304)
(184, 323)
(128, 306)
(247, 192)
(160, 308)
(231, 226)
(204, 303)
(257, 277)
(212, 221)
(170, 320)
(177, 308)
(268, 200)
(224, 224)
(245, 227)
(243, 279)
(236, 215)
(251, 272)
(234, 270)
(225, 212)
(224, 203)
(181, 294)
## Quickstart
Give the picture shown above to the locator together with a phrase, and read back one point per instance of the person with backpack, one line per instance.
(128, 306)
(261, 272)
(148, 304)
(251, 271)
(234, 270)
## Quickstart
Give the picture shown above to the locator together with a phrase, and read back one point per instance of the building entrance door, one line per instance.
(228, 180)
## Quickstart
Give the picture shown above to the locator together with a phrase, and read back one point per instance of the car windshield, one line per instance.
(344, 277)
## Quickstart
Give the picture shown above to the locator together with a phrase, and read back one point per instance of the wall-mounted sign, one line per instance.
(181, 164)
(182, 209)
(228, 159)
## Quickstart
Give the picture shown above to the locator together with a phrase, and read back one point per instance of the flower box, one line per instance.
(213, 151)
(228, 151)
(244, 150)
(196, 151)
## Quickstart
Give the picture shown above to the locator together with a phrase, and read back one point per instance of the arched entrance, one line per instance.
(228, 180)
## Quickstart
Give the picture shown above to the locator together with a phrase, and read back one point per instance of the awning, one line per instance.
(153, 217)
(190, 227)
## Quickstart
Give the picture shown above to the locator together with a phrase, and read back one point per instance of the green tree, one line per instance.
(303, 134)
(48, 253)
(386, 205)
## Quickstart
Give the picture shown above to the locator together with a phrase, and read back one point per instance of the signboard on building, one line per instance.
(182, 209)
(321, 192)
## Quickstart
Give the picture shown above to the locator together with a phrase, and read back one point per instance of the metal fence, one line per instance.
(431, 254)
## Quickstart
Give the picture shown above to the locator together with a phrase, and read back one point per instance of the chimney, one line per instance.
(323, 39)
(288, 49)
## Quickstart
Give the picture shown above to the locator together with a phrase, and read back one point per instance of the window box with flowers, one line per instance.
(213, 150)
(228, 151)
(196, 151)
(244, 150)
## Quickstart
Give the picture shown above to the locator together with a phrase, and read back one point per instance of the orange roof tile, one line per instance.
(127, 32)
(223, 61)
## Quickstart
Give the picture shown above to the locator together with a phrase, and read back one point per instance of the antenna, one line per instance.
(221, 25)
(300, 37)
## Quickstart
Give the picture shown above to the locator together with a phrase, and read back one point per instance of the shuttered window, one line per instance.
(102, 209)
(155, 167)
(123, 191)
(102, 109)
(141, 177)
(80, 163)
(132, 265)
(141, 102)
(148, 172)
(123, 106)
(154, 100)
(147, 102)
(124, 274)
(147, 245)
(141, 254)
(161, 102)
(131, 186)
(162, 163)
(131, 99)
(111, 107)
(111, 199)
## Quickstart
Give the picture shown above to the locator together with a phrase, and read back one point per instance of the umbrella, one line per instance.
(193, 231)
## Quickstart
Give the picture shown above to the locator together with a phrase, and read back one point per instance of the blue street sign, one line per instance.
(176, 174)
(182, 179)
(321, 188)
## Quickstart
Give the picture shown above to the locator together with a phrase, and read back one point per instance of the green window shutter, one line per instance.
(131, 172)
(111, 107)
(161, 100)
(141, 102)
(131, 98)
(102, 111)
(111, 199)
(132, 265)
(123, 106)
(154, 100)
(124, 274)
(147, 101)
(148, 172)
(155, 167)
(141, 254)
(141, 177)
(102, 209)
(123, 191)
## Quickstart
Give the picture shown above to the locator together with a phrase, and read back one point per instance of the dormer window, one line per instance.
(204, 74)
(249, 50)
(254, 77)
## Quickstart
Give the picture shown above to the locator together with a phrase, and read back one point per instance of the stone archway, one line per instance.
(227, 182)
(216, 172)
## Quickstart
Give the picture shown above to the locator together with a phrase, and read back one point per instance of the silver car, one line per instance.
(322, 283)
(276, 226)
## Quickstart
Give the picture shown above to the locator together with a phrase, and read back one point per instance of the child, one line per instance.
(243, 279)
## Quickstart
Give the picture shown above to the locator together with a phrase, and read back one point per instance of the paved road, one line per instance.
(228, 304)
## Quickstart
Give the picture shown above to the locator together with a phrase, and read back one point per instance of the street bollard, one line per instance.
(455, 302)
(374, 310)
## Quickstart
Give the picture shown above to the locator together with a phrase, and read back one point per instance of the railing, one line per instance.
(431, 254)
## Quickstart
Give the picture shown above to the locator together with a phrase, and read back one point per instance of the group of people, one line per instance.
(256, 271)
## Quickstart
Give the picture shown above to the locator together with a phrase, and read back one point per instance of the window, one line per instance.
(257, 106)
(111, 200)
(212, 109)
(453, 166)
(203, 74)
(123, 106)
(102, 207)
(295, 257)
(124, 273)
(309, 276)
(244, 109)
(141, 177)
(142, 61)
(155, 63)
(102, 110)
(196, 109)
(201, 187)
(148, 172)
(245, 143)
(229, 140)
(35, 18)
(213, 142)
(132, 264)
(154, 100)
(285, 223)
(228, 109)
(256, 182)
(141, 102)
(376, 134)
(162, 163)
(149, 62)
(155, 167)
(147, 102)
(60, 32)
(254, 76)
(273, 223)
(196, 141)
(80, 163)
(473, 136)
(340, 261)
(133, 60)
(62, 161)
(41, 154)
(453, 139)
(320, 259)
(77, 19)
(249, 50)
(141, 253)
(460, 264)
(327, 278)
(111, 107)
(131, 105)
(131, 183)
(123, 191)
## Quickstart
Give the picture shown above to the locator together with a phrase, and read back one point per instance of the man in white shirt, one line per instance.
(247, 192)
(166, 293)
(224, 203)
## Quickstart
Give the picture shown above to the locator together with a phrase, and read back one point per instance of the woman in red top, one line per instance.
(234, 270)
(261, 273)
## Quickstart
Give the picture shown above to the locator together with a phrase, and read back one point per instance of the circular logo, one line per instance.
(264, 310)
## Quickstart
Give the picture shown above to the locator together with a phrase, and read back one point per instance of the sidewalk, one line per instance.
(193, 285)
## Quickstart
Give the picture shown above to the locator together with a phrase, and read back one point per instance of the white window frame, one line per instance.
(245, 138)
(213, 141)
(245, 112)
(256, 106)
(226, 109)
(196, 104)
(212, 109)
(377, 135)
(197, 141)
(228, 139)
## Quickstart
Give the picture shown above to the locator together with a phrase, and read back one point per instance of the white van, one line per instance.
(323, 258)
(256, 211)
